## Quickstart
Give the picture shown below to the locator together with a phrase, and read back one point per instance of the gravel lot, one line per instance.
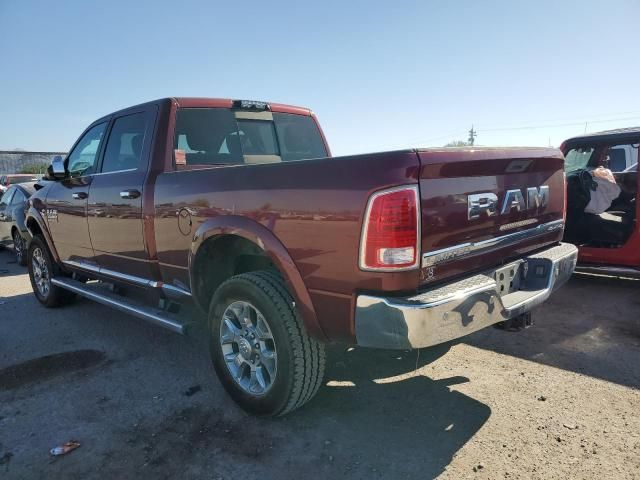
(561, 400)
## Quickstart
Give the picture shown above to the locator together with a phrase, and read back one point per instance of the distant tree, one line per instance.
(33, 169)
(458, 143)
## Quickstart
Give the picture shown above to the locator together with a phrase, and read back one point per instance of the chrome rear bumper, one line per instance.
(462, 307)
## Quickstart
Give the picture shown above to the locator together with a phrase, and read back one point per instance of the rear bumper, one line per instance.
(462, 307)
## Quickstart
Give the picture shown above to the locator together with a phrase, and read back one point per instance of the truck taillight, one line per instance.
(391, 230)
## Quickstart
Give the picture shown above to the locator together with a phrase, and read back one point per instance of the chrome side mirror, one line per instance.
(56, 169)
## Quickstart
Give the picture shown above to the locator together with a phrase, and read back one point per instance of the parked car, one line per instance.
(12, 219)
(238, 209)
(15, 178)
(608, 242)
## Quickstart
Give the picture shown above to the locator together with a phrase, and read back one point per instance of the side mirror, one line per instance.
(56, 170)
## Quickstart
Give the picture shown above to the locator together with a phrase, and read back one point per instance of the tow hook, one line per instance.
(516, 324)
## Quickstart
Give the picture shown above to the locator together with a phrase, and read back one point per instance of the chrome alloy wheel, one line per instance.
(40, 272)
(248, 348)
(18, 246)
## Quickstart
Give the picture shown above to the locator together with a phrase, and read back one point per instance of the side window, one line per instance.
(6, 198)
(18, 197)
(82, 159)
(124, 146)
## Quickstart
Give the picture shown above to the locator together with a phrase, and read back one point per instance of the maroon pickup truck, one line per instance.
(236, 209)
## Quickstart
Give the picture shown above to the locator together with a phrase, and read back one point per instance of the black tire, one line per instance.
(300, 359)
(55, 296)
(19, 248)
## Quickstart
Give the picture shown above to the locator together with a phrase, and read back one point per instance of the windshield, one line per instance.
(219, 136)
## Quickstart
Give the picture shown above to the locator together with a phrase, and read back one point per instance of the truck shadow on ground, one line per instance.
(371, 419)
(384, 419)
(590, 326)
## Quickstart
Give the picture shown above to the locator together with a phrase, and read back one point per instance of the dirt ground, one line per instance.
(560, 400)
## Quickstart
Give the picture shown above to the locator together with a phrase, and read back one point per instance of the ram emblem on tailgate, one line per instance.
(536, 197)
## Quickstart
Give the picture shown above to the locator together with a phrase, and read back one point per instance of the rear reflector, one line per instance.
(391, 230)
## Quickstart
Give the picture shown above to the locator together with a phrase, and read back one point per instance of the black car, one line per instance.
(12, 227)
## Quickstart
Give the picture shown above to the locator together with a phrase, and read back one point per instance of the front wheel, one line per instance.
(41, 270)
(259, 346)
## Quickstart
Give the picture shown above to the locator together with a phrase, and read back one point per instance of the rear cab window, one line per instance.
(223, 136)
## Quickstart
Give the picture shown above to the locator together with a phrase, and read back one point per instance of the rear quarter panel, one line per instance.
(313, 207)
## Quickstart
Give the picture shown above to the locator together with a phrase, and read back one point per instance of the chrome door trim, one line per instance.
(455, 252)
(123, 277)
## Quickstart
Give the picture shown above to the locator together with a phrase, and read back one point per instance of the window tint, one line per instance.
(299, 137)
(124, 146)
(257, 137)
(6, 198)
(18, 197)
(82, 160)
(208, 136)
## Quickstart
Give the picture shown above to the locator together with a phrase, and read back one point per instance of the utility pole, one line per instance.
(472, 136)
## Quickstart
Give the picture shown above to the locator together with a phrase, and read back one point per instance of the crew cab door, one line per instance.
(115, 199)
(66, 202)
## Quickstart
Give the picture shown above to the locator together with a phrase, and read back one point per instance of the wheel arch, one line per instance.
(36, 226)
(249, 234)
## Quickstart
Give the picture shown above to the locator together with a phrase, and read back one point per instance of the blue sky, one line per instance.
(379, 75)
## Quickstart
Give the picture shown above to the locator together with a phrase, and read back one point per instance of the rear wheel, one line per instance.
(41, 270)
(259, 347)
(19, 248)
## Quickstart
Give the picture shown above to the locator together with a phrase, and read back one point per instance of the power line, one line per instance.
(459, 133)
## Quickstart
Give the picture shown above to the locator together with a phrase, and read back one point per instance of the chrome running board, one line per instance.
(611, 270)
(99, 294)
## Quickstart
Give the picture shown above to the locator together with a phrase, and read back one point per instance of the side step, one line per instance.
(95, 292)
(611, 270)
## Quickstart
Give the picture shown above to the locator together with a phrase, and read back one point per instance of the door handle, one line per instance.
(79, 195)
(129, 194)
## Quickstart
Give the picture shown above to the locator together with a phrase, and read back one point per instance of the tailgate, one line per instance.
(482, 207)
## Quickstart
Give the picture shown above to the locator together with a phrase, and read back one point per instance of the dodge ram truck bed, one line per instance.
(238, 210)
